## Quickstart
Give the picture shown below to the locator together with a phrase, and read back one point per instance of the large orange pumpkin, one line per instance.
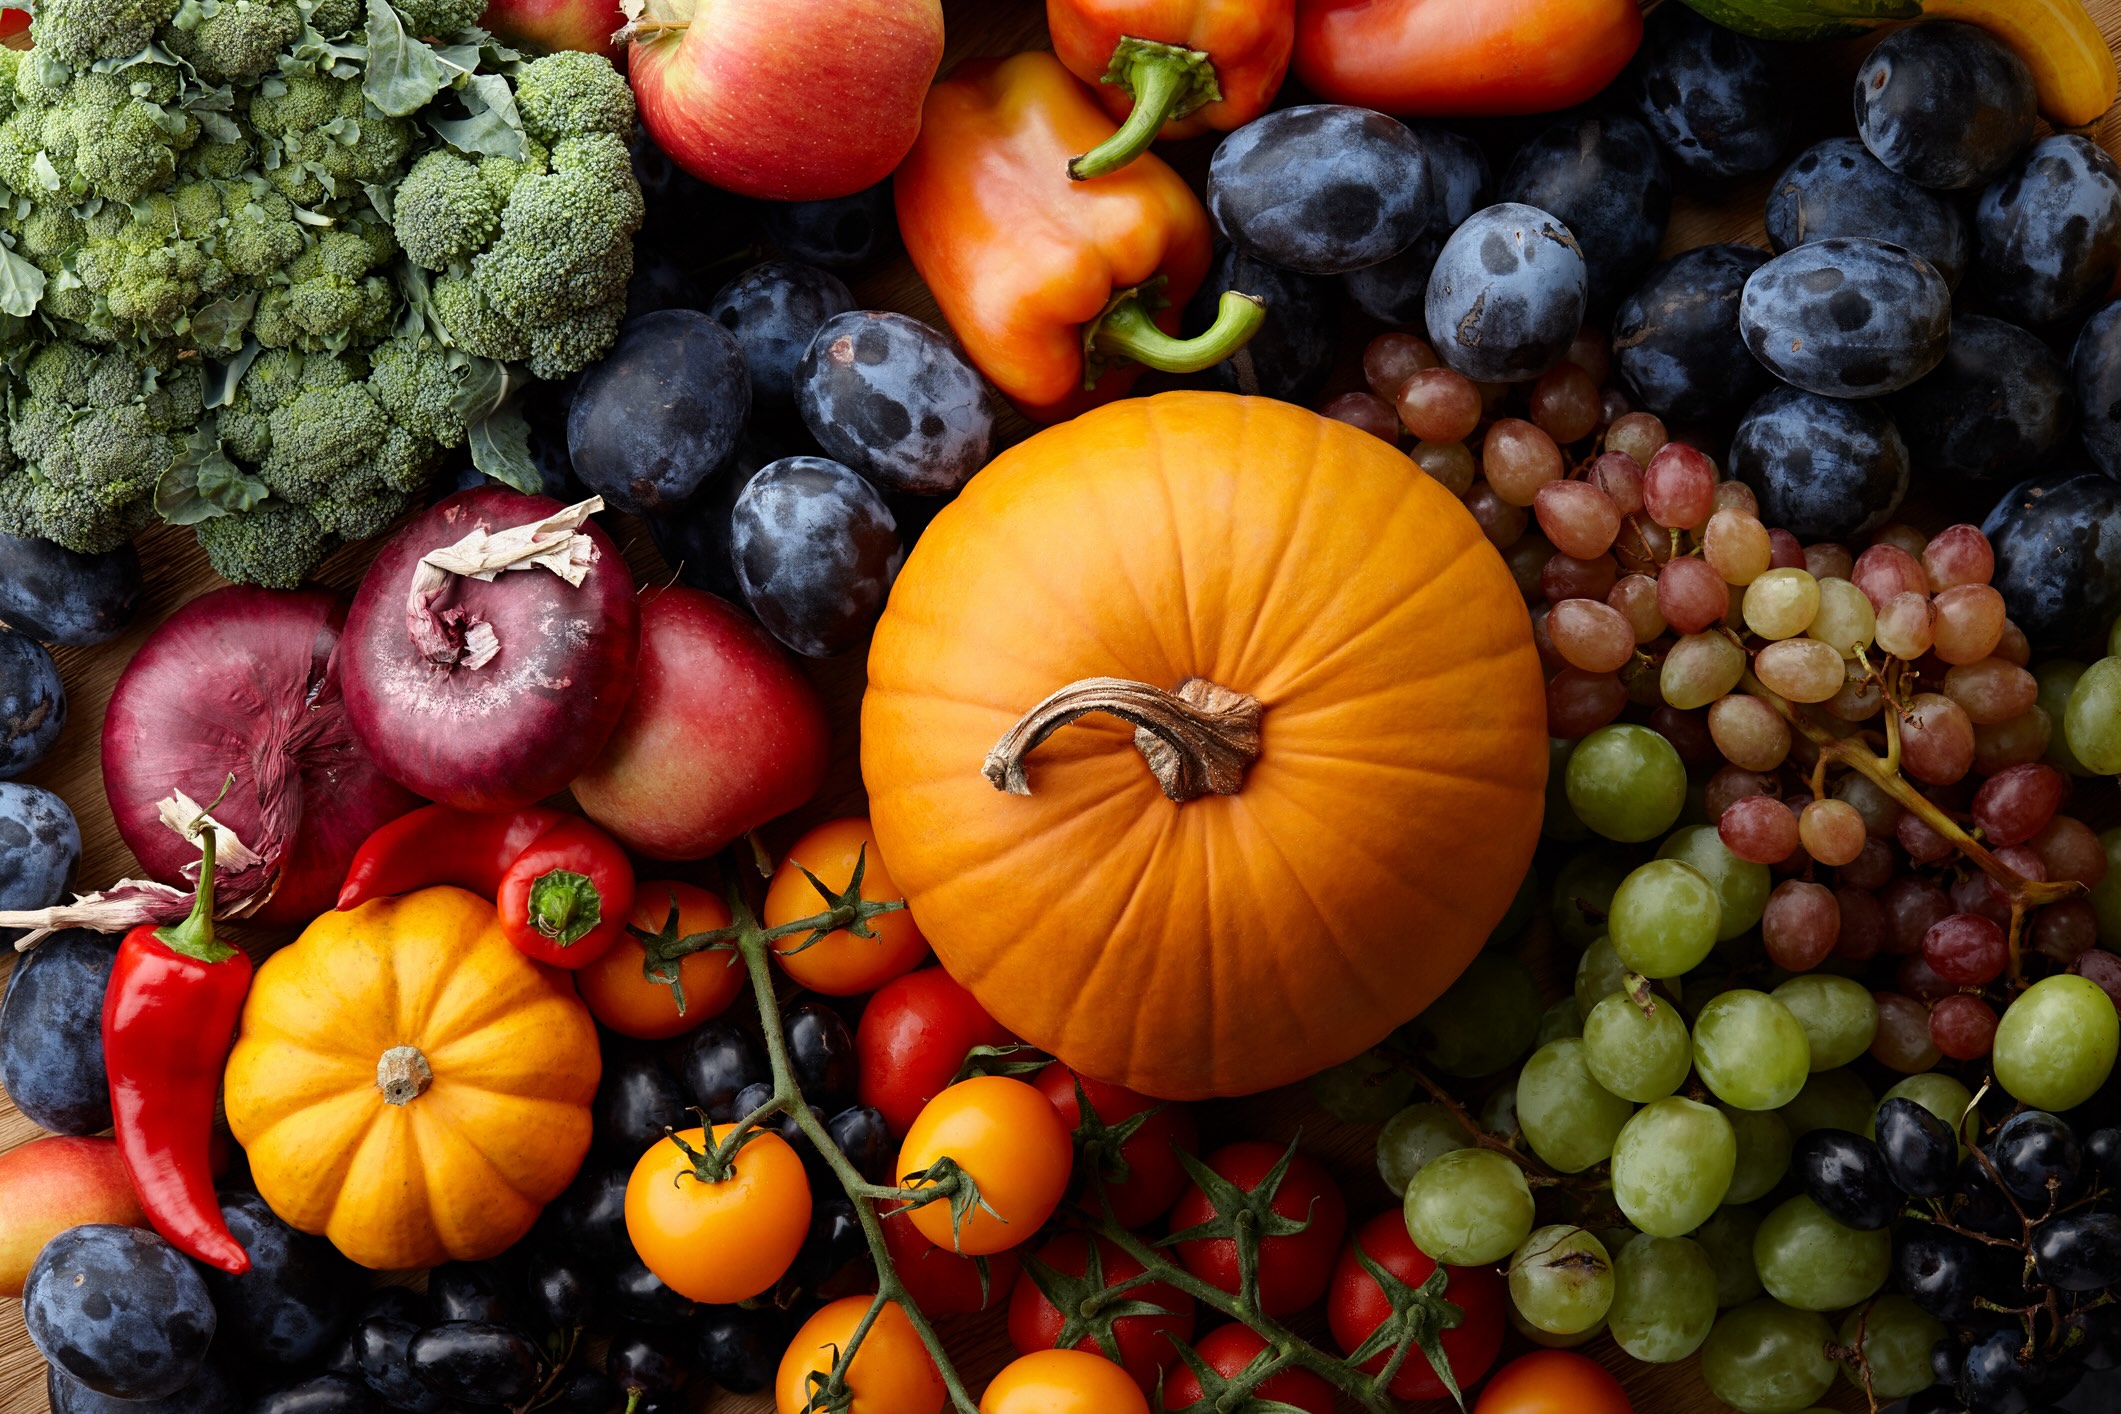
(1355, 669)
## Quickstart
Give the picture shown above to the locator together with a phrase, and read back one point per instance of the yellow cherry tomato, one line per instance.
(718, 1243)
(1063, 1382)
(891, 1372)
(1012, 1142)
(619, 992)
(840, 964)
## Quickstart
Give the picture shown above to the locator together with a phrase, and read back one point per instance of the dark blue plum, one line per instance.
(775, 310)
(2095, 366)
(51, 1032)
(1822, 468)
(209, 1393)
(2057, 539)
(1602, 178)
(1292, 353)
(667, 277)
(895, 400)
(2049, 232)
(58, 596)
(639, 1295)
(32, 703)
(477, 1362)
(298, 1294)
(739, 1349)
(1849, 317)
(694, 539)
(40, 846)
(1321, 188)
(636, 1100)
(471, 1291)
(1945, 104)
(1997, 406)
(319, 1394)
(1711, 97)
(680, 207)
(120, 1310)
(1846, 1176)
(1836, 188)
(720, 1063)
(663, 410)
(816, 550)
(1507, 295)
(1676, 340)
(1394, 291)
(840, 234)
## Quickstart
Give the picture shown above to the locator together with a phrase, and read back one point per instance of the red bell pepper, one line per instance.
(169, 1019)
(1464, 57)
(1171, 68)
(562, 887)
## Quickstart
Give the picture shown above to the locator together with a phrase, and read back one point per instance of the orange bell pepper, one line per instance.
(1171, 68)
(1059, 290)
(1464, 57)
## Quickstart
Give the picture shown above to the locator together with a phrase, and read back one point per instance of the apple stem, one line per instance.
(648, 29)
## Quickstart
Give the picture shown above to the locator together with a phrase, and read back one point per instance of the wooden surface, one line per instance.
(176, 572)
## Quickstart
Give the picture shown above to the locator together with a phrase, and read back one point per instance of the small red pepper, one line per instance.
(562, 886)
(169, 1019)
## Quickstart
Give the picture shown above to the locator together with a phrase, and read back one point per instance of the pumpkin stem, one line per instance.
(1197, 739)
(403, 1075)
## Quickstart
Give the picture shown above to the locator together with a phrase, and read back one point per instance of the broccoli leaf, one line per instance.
(483, 386)
(204, 483)
(220, 325)
(21, 284)
(493, 127)
(403, 73)
(500, 447)
(222, 378)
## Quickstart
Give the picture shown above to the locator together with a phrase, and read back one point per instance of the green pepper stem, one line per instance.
(1167, 81)
(194, 937)
(1127, 331)
(565, 906)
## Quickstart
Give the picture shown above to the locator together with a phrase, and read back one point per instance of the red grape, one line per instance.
(1902, 536)
(1758, 828)
(1591, 635)
(2104, 969)
(1923, 843)
(1992, 690)
(2069, 850)
(1637, 436)
(1620, 477)
(1691, 595)
(1873, 868)
(1590, 352)
(1679, 487)
(1863, 924)
(2066, 931)
(1499, 520)
(1688, 732)
(1785, 552)
(1902, 1041)
(1734, 783)
(1579, 518)
(1579, 703)
(1736, 496)
(1974, 893)
(1565, 403)
(1800, 925)
(1936, 740)
(1962, 1027)
(1966, 950)
(1367, 411)
(2014, 805)
(1438, 405)
(1913, 905)
(1827, 560)
(1906, 625)
(1389, 360)
(1886, 570)
(1736, 545)
(1959, 554)
(1969, 623)
(2014, 647)
(1831, 831)
(1518, 458)
(1449, 464)
(1566, 577)
(1635, 595)
(1881, 813)
(1749, 732)
(1919, 980)
(1527, 559)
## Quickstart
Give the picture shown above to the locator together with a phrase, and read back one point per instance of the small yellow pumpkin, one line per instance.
(409, 1085)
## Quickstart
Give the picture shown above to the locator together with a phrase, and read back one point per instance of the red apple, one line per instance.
(49, 1185)
(587, 25)
(722, 734)
(787, 100)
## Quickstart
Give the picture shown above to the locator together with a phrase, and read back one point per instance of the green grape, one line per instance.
(1672, 1164)
(1765, 1358)
(1583, 893)
(1640, 1057)
(1498, 1112)
(2106, 894)
(1832, 1099)
(1547, 1340)
(2055, 1046)
(1559, 1020)
(1414, 1136)
(1728, 1239)
(2057, 678)
(1523, 904)
(1568, 1118)
(1469, 1208)
(1560, 822)
(1616, 1239)
(1837, 1014)
(1599, 974)
(1741, 886)
(1664, 1298)
(1810, 1261)
(1897, 1336)
(2092, 718)
(1750, 1051)
(1664, 919)
(1562, 1280)
(1626, 783)
(1940, 1094)
(1486, 1020)
(1763, 1153)
(1369, 1089)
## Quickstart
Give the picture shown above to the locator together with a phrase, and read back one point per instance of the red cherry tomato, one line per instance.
(1141, 1177)
(1357, 1305)
(1293, 1267)
(1229, 1351)
(1553, 1382)
(940, 1282)
(1036, 1323)
(912, 1041)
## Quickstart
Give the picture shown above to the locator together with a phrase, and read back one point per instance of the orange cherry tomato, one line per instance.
(1062, 1382)
(890, 1374)
(1014, 1145)
(1553, 1382)
(718, 1243)
(840, 964)
(618, 990)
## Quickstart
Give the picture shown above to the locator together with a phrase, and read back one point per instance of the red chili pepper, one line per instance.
(169, 1019)
(562, 886)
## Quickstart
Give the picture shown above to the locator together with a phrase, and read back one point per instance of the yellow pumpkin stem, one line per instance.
(1197, 739)
(403, 1075)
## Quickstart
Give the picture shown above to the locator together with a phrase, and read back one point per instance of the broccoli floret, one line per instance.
(573, 94)
(331, 300)
(473, 324)
(321, 439)
(32, 506)
(79, 32)
(275, 544)
(407, 461)
(259, 236)
(445, 213)
(332, 18)
(571, 342)
(414, 381)
(331, 139)
(239, 40)
(432, 18)
(147, 275)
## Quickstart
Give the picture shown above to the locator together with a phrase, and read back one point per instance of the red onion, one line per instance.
(492, 693)
(243, 683)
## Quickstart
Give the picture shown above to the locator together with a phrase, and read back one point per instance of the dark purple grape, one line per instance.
(719, 1062)
(1506, 298)
(319, 1394)
(586, 1392)
(383, 1345)
(694, 538)
(471, 1291)
(2095, 366)
(589, 1218)
(1998, 405)
(1849, 317)
(739, 1349)
(1944, 104)
(1676, 340)
(645, 1362)
(209, 1393)
(1846, 1176)
(865, 1138)
(1292, 353)
(51, 1026)
(840, 234)
(1836, 188)
(1978, 1204)
(1919, 1150)
(821, 1052)
(2103, 1148)
(661, 412)
(2057, 539)
(1997, 1379)
(1320, 188)
(1938, 1270)
(298, 1294)
(1602, 178)
(834, 1241)
(562, 1293)
(32, 703)
(120, 1310)
(57, 595)
(2050, 232)
(1711, 98)
(895, 400)
(754, 1097)
(2097, 1330)
(774, 310)
(816, 550)
(477, 1362)
(1395, 291)
(2036, 1154)
(1822, 468)
(2079, 1251)
(637, 1099)
(639, 1295)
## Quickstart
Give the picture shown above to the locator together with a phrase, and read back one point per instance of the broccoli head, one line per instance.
(573, 94)
(473, 324)
(417, 382)
(445, 211)
(153, 271)
(275, 544)
(438, 18)
(240, 40)
(330, 139)
(330, 300)
(79, 32)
